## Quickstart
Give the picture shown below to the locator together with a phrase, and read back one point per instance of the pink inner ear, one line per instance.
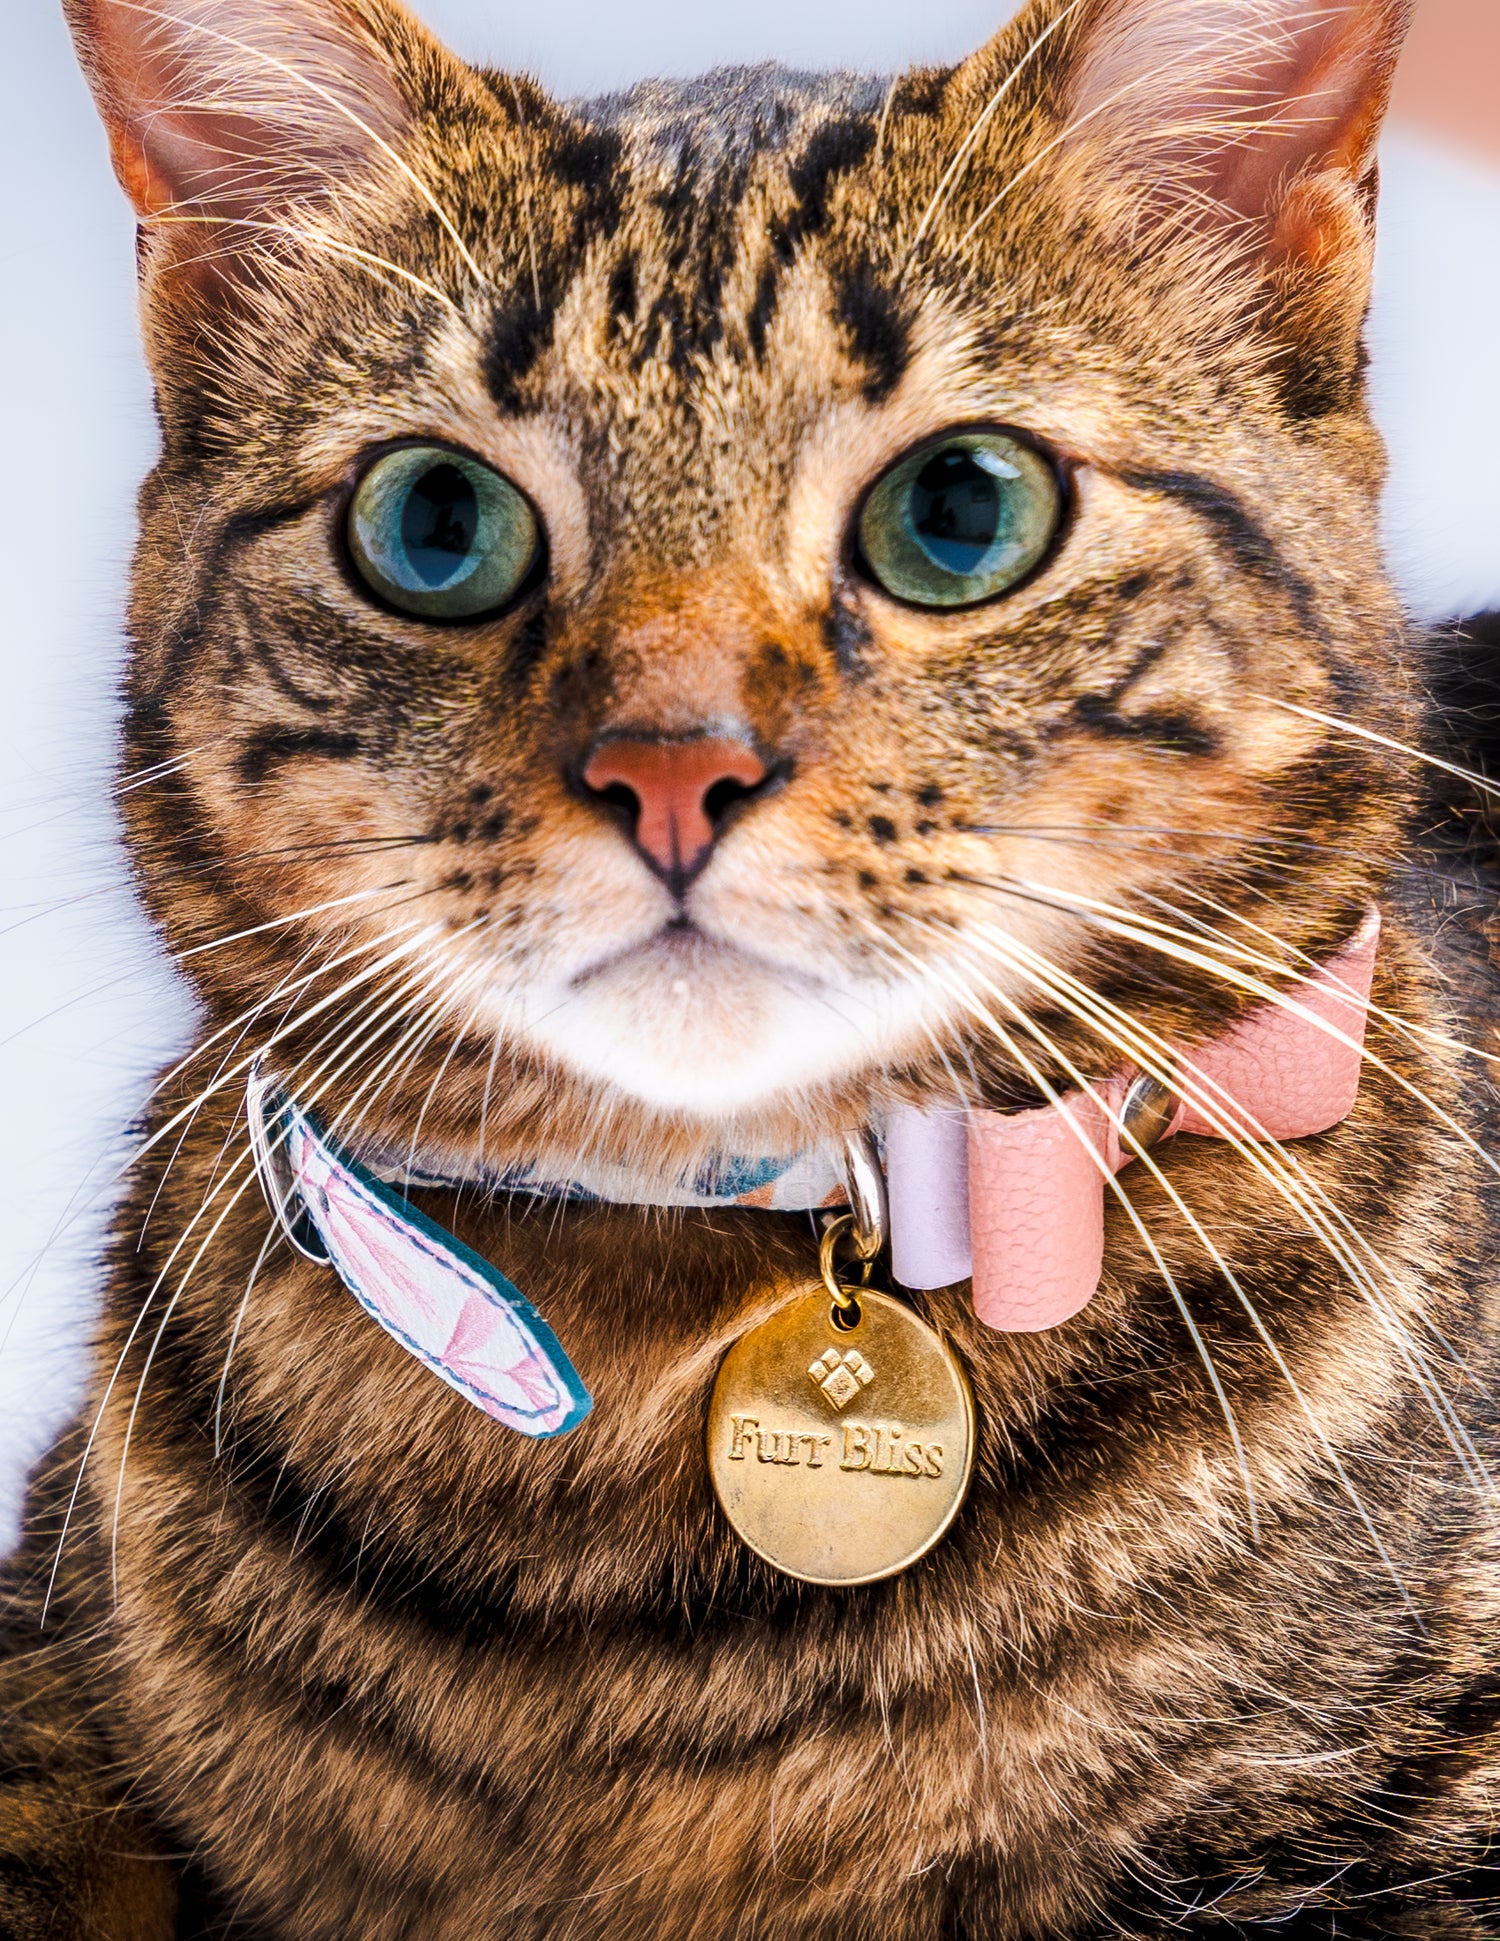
(1331, 103)
(1237, 98)
(233, 107)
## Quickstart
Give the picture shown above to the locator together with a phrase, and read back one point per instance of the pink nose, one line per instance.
(676, 794)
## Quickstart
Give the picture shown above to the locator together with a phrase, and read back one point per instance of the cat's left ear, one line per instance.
(1249, 124)
(1256, 120)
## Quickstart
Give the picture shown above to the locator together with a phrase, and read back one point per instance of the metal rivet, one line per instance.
(1148, 1112)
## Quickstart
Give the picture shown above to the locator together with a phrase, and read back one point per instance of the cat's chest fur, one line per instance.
(393, 1659)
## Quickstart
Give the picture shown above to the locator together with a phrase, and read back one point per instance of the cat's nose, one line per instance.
(674, 797)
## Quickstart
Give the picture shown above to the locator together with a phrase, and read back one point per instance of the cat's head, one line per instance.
(717, 604)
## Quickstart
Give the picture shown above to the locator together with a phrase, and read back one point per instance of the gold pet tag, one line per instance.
(841, 1435)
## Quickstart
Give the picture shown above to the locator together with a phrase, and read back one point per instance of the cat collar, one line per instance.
(1014, 1201)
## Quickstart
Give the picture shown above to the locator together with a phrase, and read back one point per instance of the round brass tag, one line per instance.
(841, 1455)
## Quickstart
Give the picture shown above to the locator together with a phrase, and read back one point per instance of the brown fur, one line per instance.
(347, 1656)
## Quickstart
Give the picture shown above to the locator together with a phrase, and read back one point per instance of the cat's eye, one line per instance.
(437, 534)
(960, 520)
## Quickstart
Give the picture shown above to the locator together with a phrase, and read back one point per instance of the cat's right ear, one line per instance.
(229, 111)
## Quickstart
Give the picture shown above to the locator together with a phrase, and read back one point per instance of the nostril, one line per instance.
(724, 794)
(619, 795)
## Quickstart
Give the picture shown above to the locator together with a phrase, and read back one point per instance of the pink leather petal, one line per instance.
(1291, 1076)
(927, 1190)
(1036, 1195)
(1036, 1208)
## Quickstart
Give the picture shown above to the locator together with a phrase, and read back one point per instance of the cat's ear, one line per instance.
(1253, 124)
(1238, 105)
(230, 110)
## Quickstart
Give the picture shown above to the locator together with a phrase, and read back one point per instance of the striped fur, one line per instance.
(327, 1653)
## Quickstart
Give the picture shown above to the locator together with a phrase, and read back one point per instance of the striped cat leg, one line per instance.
(77, 1862)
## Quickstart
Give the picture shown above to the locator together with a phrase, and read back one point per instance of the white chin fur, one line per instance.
(709, 1032)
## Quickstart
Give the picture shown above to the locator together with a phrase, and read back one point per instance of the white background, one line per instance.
(86, 1008)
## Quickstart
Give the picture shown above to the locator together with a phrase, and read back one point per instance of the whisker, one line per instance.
(294, 916)
(426, 1027)
(389, 1000)
(317, 240)
(1135, 927)
(1361, 733)
(273, 1234)
(323, 1004)
(136, 778)
(288, 986)
(1264, 845)
(89, 804)
(216, 943)
(186, 1114)
(1135, 86)
(484, 1103)
(980, 123)
(1181, 947)
(300, 851)
(1392, 1021)
(1268, 994)
(536, 281)
(1437, 1398)
(213, 1192)
(141, 852)
(129, 1342)
(878, 159)
(1028, 1024)
(185, 1117)
(442, 1070)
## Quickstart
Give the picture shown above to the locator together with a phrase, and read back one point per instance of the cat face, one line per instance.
(732, 597)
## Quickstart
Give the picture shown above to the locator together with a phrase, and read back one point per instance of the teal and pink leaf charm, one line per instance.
(442, 1302)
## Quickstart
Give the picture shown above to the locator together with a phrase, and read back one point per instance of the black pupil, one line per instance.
(438, 524)
(955, 510)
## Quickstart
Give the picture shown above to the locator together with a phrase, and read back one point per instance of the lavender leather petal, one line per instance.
(927, 1187)
(440, 1301)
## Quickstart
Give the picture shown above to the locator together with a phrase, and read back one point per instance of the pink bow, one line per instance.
(1017, 1199)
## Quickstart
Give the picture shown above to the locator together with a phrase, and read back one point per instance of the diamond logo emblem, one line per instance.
(840, 1378)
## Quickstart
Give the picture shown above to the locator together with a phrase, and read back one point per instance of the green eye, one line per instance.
(960, 520)
(441, 535)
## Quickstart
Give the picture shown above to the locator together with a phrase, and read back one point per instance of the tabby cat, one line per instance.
(677, 627)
